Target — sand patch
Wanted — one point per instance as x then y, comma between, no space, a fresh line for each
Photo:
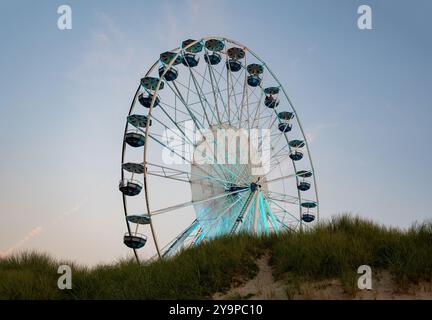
264,286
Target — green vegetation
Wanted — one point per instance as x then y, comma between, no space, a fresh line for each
333,249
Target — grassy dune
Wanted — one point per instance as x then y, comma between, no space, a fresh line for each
334,249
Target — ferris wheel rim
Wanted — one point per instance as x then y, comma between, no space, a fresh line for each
178,51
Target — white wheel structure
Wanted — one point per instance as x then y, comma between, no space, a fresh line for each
210,85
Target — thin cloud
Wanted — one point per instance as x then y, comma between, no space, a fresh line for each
38,229
313,134
33,233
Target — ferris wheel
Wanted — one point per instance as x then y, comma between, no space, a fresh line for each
178,199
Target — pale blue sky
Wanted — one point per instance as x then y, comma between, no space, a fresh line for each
364,98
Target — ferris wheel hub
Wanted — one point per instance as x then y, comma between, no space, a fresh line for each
254,187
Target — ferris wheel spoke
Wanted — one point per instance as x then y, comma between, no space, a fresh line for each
277,159
183,135
275,155
259,114
226,209
204,81
199,237
284,225
228,96
279,143
200,97
272,217
281,197
276,204
218,212
256,212
278,162
231,93
177,93
258,109
190,203
241,173
193,117
226,168
249,104
288,199
186,87
163,174
253,92
264,216
269,122
182,131
237,117
244,92
186,176
242,198
271,139
199,89
246,121
215,85
273,162
179,240
243,212
245,176
214,93
281,178
177,110
282,157
185,159
170,149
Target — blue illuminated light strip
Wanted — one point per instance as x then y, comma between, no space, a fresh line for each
272,217
263,215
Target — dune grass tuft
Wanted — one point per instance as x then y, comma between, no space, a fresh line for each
333,249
